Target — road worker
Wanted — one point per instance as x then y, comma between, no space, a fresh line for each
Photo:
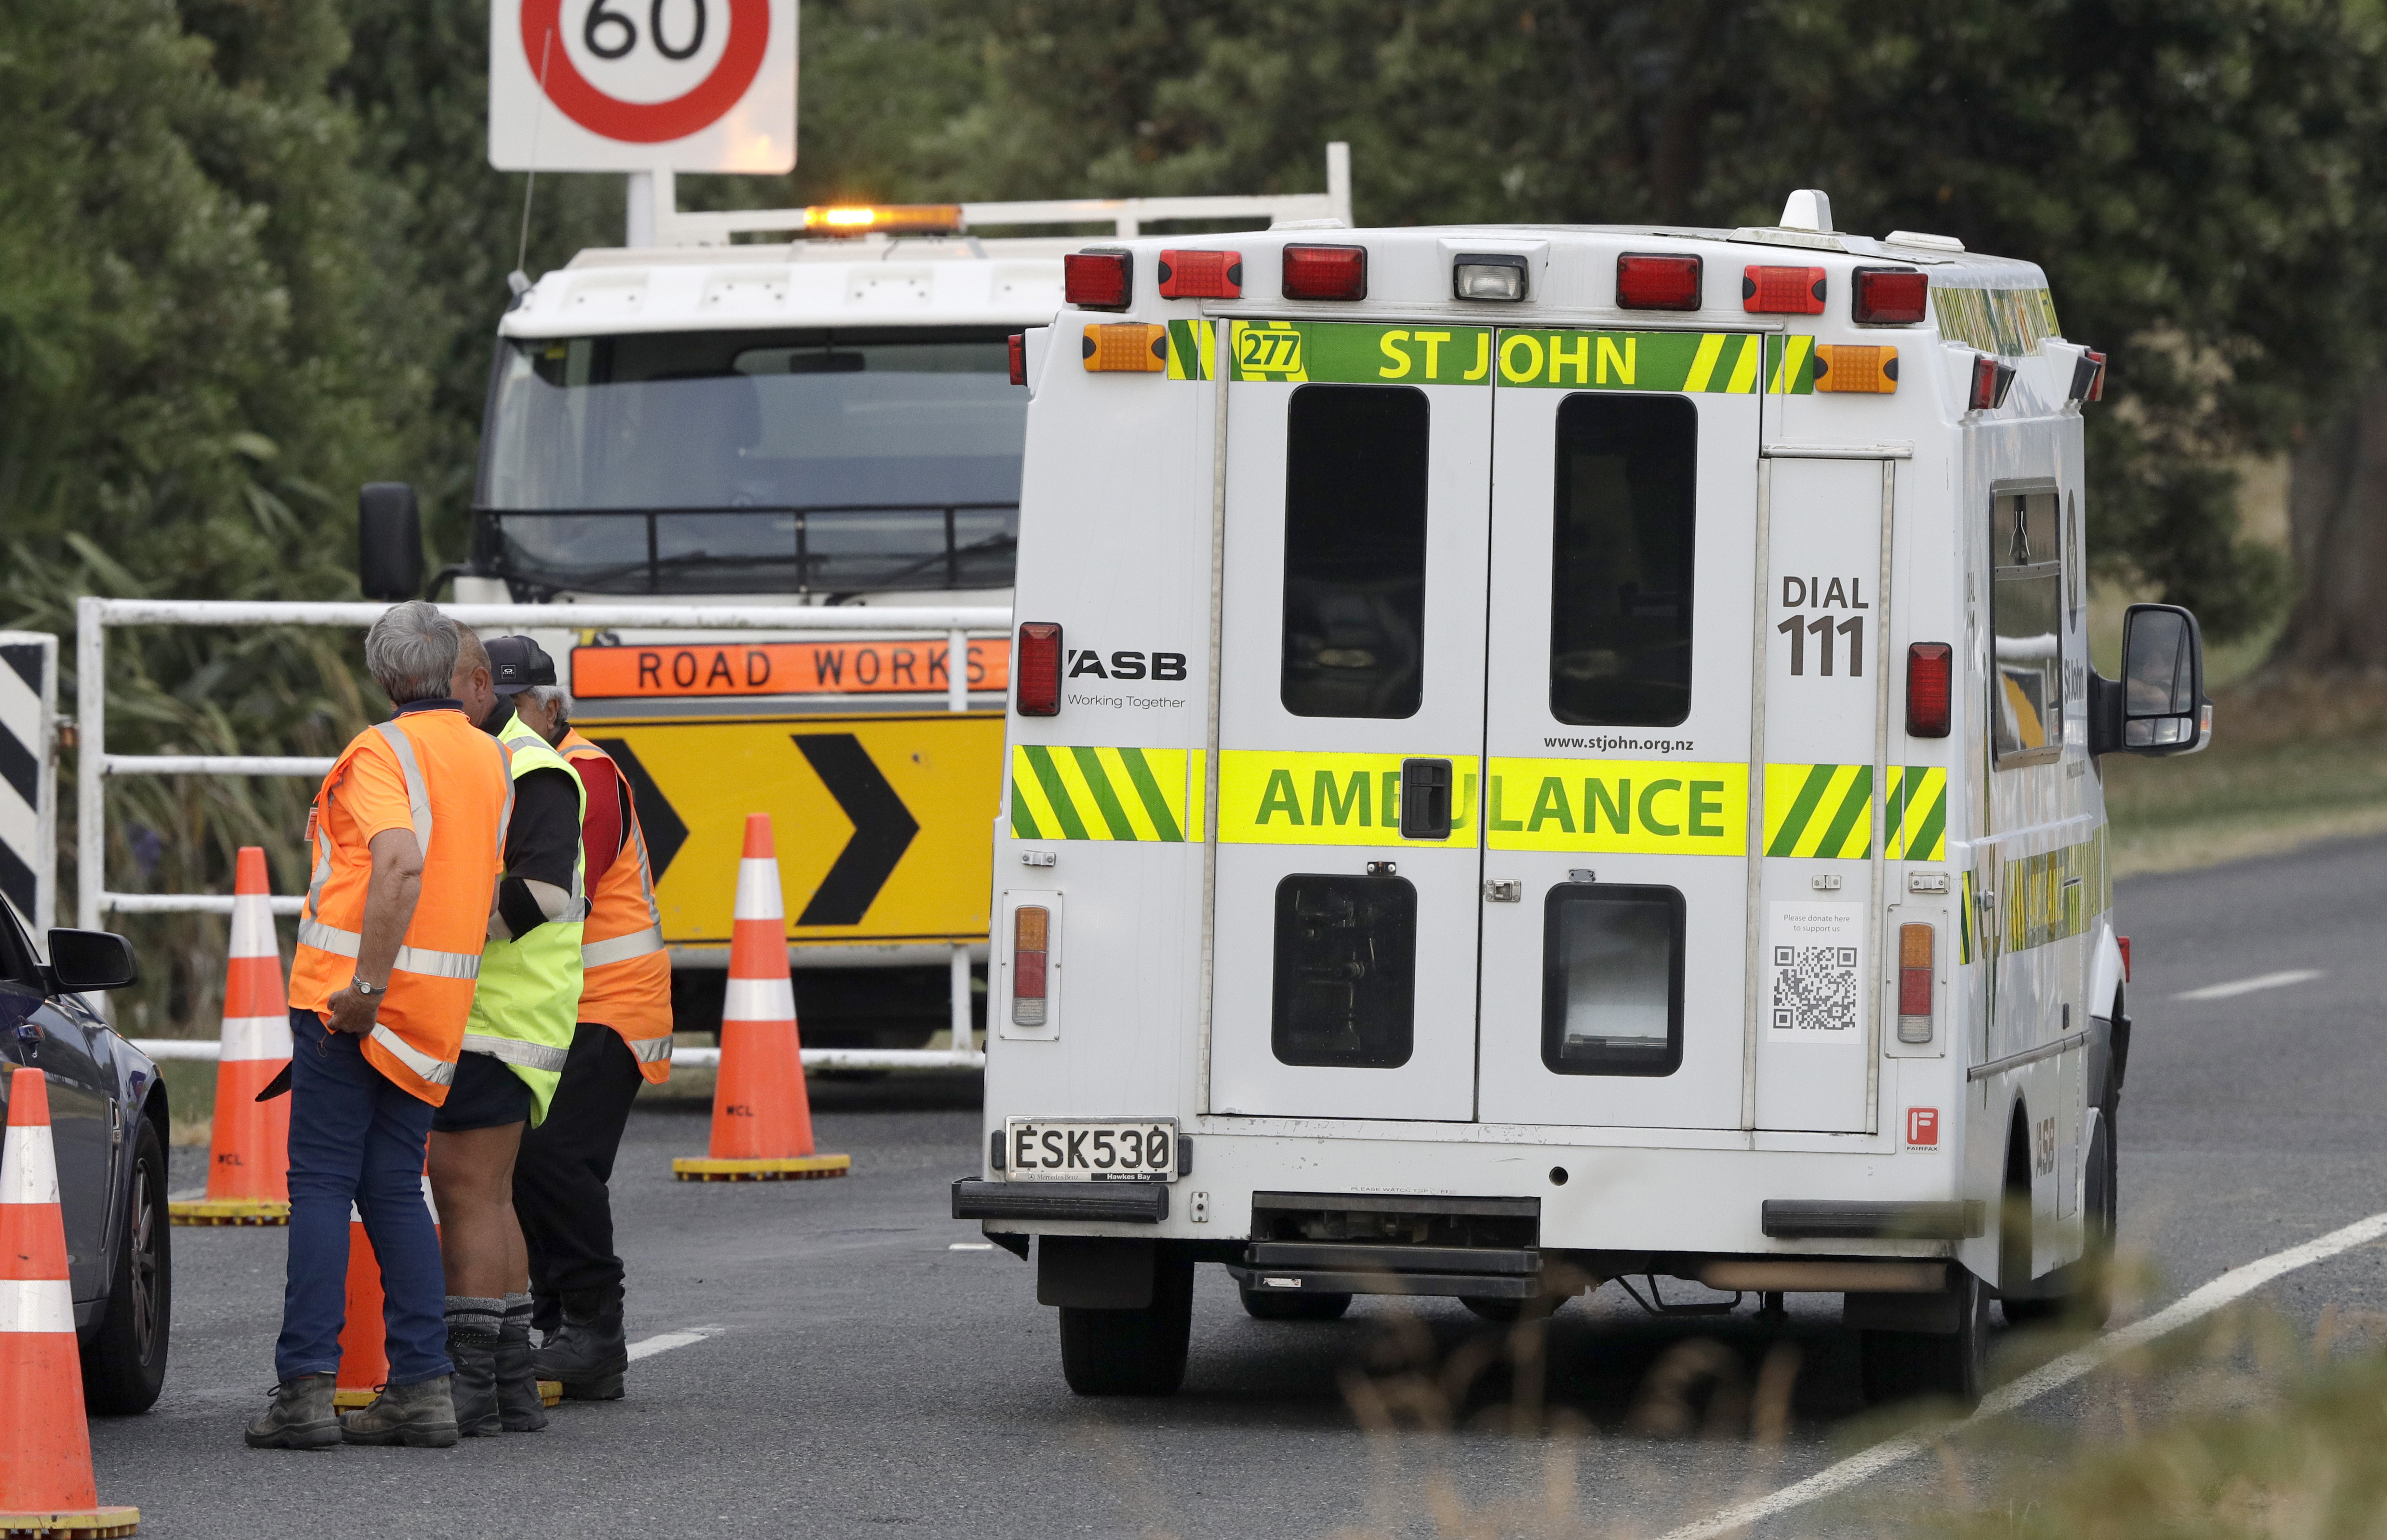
403,845
622,1041
514,1049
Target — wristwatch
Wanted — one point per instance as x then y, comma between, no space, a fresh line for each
366,991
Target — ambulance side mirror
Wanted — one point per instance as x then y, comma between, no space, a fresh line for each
2158,705
389,541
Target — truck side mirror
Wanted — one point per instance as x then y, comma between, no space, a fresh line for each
389,541
2158,706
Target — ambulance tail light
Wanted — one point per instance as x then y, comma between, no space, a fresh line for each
1992,377
1098,280
1326,273
1017,347
1929,670
1040,668
1917,948
1201,275
1890,296
1782,291
1030,942
1649,283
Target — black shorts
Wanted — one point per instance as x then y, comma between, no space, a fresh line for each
484,1094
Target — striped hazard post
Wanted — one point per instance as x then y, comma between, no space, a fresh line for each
249,1160
762,1121
45,1478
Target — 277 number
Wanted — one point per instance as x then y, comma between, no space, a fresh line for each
1799,627
608,34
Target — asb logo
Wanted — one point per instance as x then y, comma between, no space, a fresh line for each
1087,662
1923,1128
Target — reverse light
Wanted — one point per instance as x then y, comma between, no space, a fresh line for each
1916,946
1651,282
1098,280
1126,347
1492,275
1929,666
1017,346
1890,296
1855,367
883,219
1326,273
1038,663
1031,938
1992,378
1782,291
1201,275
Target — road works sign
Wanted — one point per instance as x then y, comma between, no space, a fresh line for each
633,85
881,821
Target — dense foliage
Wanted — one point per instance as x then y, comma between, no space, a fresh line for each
251,251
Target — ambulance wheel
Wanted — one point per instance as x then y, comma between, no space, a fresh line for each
1133,1352
2081,1293
1271,1304
124,1364
1908,1365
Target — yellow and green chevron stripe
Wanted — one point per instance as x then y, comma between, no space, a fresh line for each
1825,812
1080,793
1190,345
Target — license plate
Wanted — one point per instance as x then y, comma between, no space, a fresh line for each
1106,1149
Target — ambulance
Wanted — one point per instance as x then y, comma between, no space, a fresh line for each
1547,755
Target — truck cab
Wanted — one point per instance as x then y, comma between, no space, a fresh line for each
1623,802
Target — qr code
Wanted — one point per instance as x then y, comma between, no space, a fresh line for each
1815,989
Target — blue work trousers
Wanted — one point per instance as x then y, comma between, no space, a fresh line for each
356,1137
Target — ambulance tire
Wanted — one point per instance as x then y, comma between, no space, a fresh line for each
1133,1352
1911,1366
1268,1305
2081,1293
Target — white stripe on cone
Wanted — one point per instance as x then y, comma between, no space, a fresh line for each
36,1304
255,1036
759,1000
758,890
28,1170
252,928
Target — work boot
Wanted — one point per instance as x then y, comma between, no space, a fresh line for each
421,1416
519,1406
587,1354
300,1418
474,1388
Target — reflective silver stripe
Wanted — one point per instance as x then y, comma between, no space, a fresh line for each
530,1056
413,1058
621,948
652,1049
410,959
417,793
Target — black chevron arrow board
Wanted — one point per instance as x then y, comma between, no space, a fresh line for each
883,823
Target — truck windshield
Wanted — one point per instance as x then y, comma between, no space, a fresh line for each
814,461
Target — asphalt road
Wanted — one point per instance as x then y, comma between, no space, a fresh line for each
861,1377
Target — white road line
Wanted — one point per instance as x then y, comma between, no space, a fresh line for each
2228,1289
971,1245
649,1346
2248,986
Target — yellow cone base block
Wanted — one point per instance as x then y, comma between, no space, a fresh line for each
550,1392
792,1168
229,1211
89,1524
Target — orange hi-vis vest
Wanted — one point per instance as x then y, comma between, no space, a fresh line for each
624,972
433,772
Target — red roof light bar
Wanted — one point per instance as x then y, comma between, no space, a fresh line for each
1890,296
1326,273
1782,291
1653,283
1099,280
1201,274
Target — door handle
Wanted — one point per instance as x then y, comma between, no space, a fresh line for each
1425,799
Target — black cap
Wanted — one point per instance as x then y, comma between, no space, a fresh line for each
517,663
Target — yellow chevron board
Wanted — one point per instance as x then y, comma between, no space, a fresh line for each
2053,896
1655,807
1824,812
1105,793
1271,797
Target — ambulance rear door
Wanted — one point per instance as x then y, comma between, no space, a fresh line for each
1618,721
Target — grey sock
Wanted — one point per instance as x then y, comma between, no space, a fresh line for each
474,1317
517,1319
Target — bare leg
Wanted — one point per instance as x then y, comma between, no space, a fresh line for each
472,1181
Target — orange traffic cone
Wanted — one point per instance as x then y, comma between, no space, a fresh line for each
364,1342
761,1123
248,1166
45,1479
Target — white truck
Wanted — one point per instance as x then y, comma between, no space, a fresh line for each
1541,755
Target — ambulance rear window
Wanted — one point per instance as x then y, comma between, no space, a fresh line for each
1612,979
1354,550
1346,978
1620,561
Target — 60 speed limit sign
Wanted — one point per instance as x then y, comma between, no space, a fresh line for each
631,85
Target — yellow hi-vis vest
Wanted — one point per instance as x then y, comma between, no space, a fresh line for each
528,998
